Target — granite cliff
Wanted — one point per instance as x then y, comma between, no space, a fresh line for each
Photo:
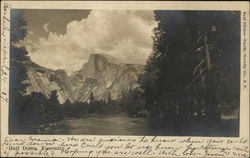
103,76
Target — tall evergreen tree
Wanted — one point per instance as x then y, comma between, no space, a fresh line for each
91,98
192,53
168,68
217,37
17,70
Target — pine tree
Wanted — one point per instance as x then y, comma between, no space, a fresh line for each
109,100
193,51
217,39
18,55
91,98
53,98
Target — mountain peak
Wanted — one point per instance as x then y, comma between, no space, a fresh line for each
100,76
106,57
96,63
93,58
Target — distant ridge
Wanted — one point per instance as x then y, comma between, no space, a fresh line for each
103,76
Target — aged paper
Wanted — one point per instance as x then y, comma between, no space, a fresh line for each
124,79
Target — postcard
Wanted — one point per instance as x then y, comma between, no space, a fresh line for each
124,79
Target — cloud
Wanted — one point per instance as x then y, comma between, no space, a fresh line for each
126,35
45,27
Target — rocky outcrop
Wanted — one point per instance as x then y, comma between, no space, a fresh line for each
103,76
43,80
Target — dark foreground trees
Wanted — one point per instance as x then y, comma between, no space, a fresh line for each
17,70
193,67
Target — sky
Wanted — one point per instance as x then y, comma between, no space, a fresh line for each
64,39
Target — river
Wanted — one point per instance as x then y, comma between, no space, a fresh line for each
109,125
106,125
124,125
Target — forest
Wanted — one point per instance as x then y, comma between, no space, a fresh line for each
191,77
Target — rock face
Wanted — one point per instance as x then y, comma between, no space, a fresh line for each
45,80
102,75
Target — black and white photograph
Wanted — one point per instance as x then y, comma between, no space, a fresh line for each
125,72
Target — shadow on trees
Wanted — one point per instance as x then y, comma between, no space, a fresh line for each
192,75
